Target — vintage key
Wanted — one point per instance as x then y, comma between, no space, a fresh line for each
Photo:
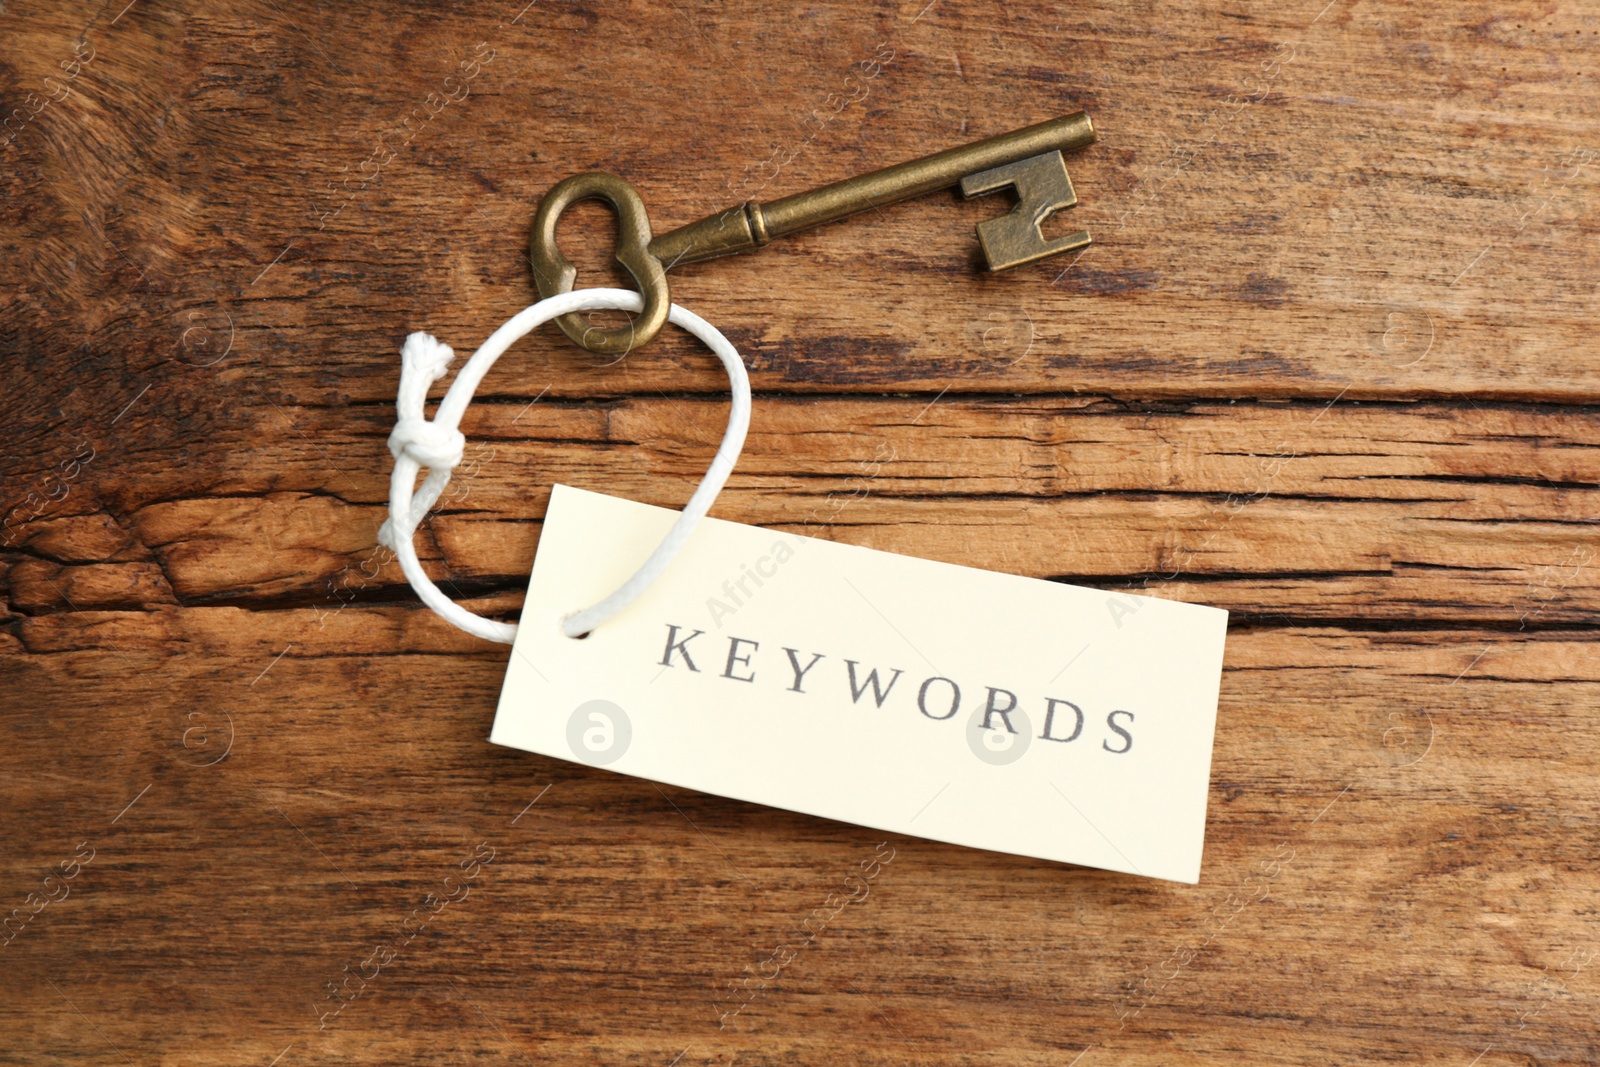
1028,160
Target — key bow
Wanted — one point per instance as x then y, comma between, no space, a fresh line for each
553,273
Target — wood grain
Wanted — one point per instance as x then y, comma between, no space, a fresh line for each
1330,364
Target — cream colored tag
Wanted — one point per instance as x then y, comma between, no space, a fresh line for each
920,698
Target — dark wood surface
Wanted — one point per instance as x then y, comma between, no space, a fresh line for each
1331,364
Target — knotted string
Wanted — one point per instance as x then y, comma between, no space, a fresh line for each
438,444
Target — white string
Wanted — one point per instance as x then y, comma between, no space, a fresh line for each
437,444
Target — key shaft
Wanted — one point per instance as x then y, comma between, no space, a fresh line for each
751,225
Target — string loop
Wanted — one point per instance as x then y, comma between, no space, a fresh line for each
438,444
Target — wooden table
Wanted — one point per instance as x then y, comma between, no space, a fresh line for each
1330,364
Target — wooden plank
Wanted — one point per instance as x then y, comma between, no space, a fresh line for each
1346,511
357,778
1410,241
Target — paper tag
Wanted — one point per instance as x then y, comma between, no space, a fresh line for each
916,697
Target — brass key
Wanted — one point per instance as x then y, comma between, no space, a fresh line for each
1028,160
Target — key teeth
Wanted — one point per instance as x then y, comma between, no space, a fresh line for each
1043,187
998,260
988,181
